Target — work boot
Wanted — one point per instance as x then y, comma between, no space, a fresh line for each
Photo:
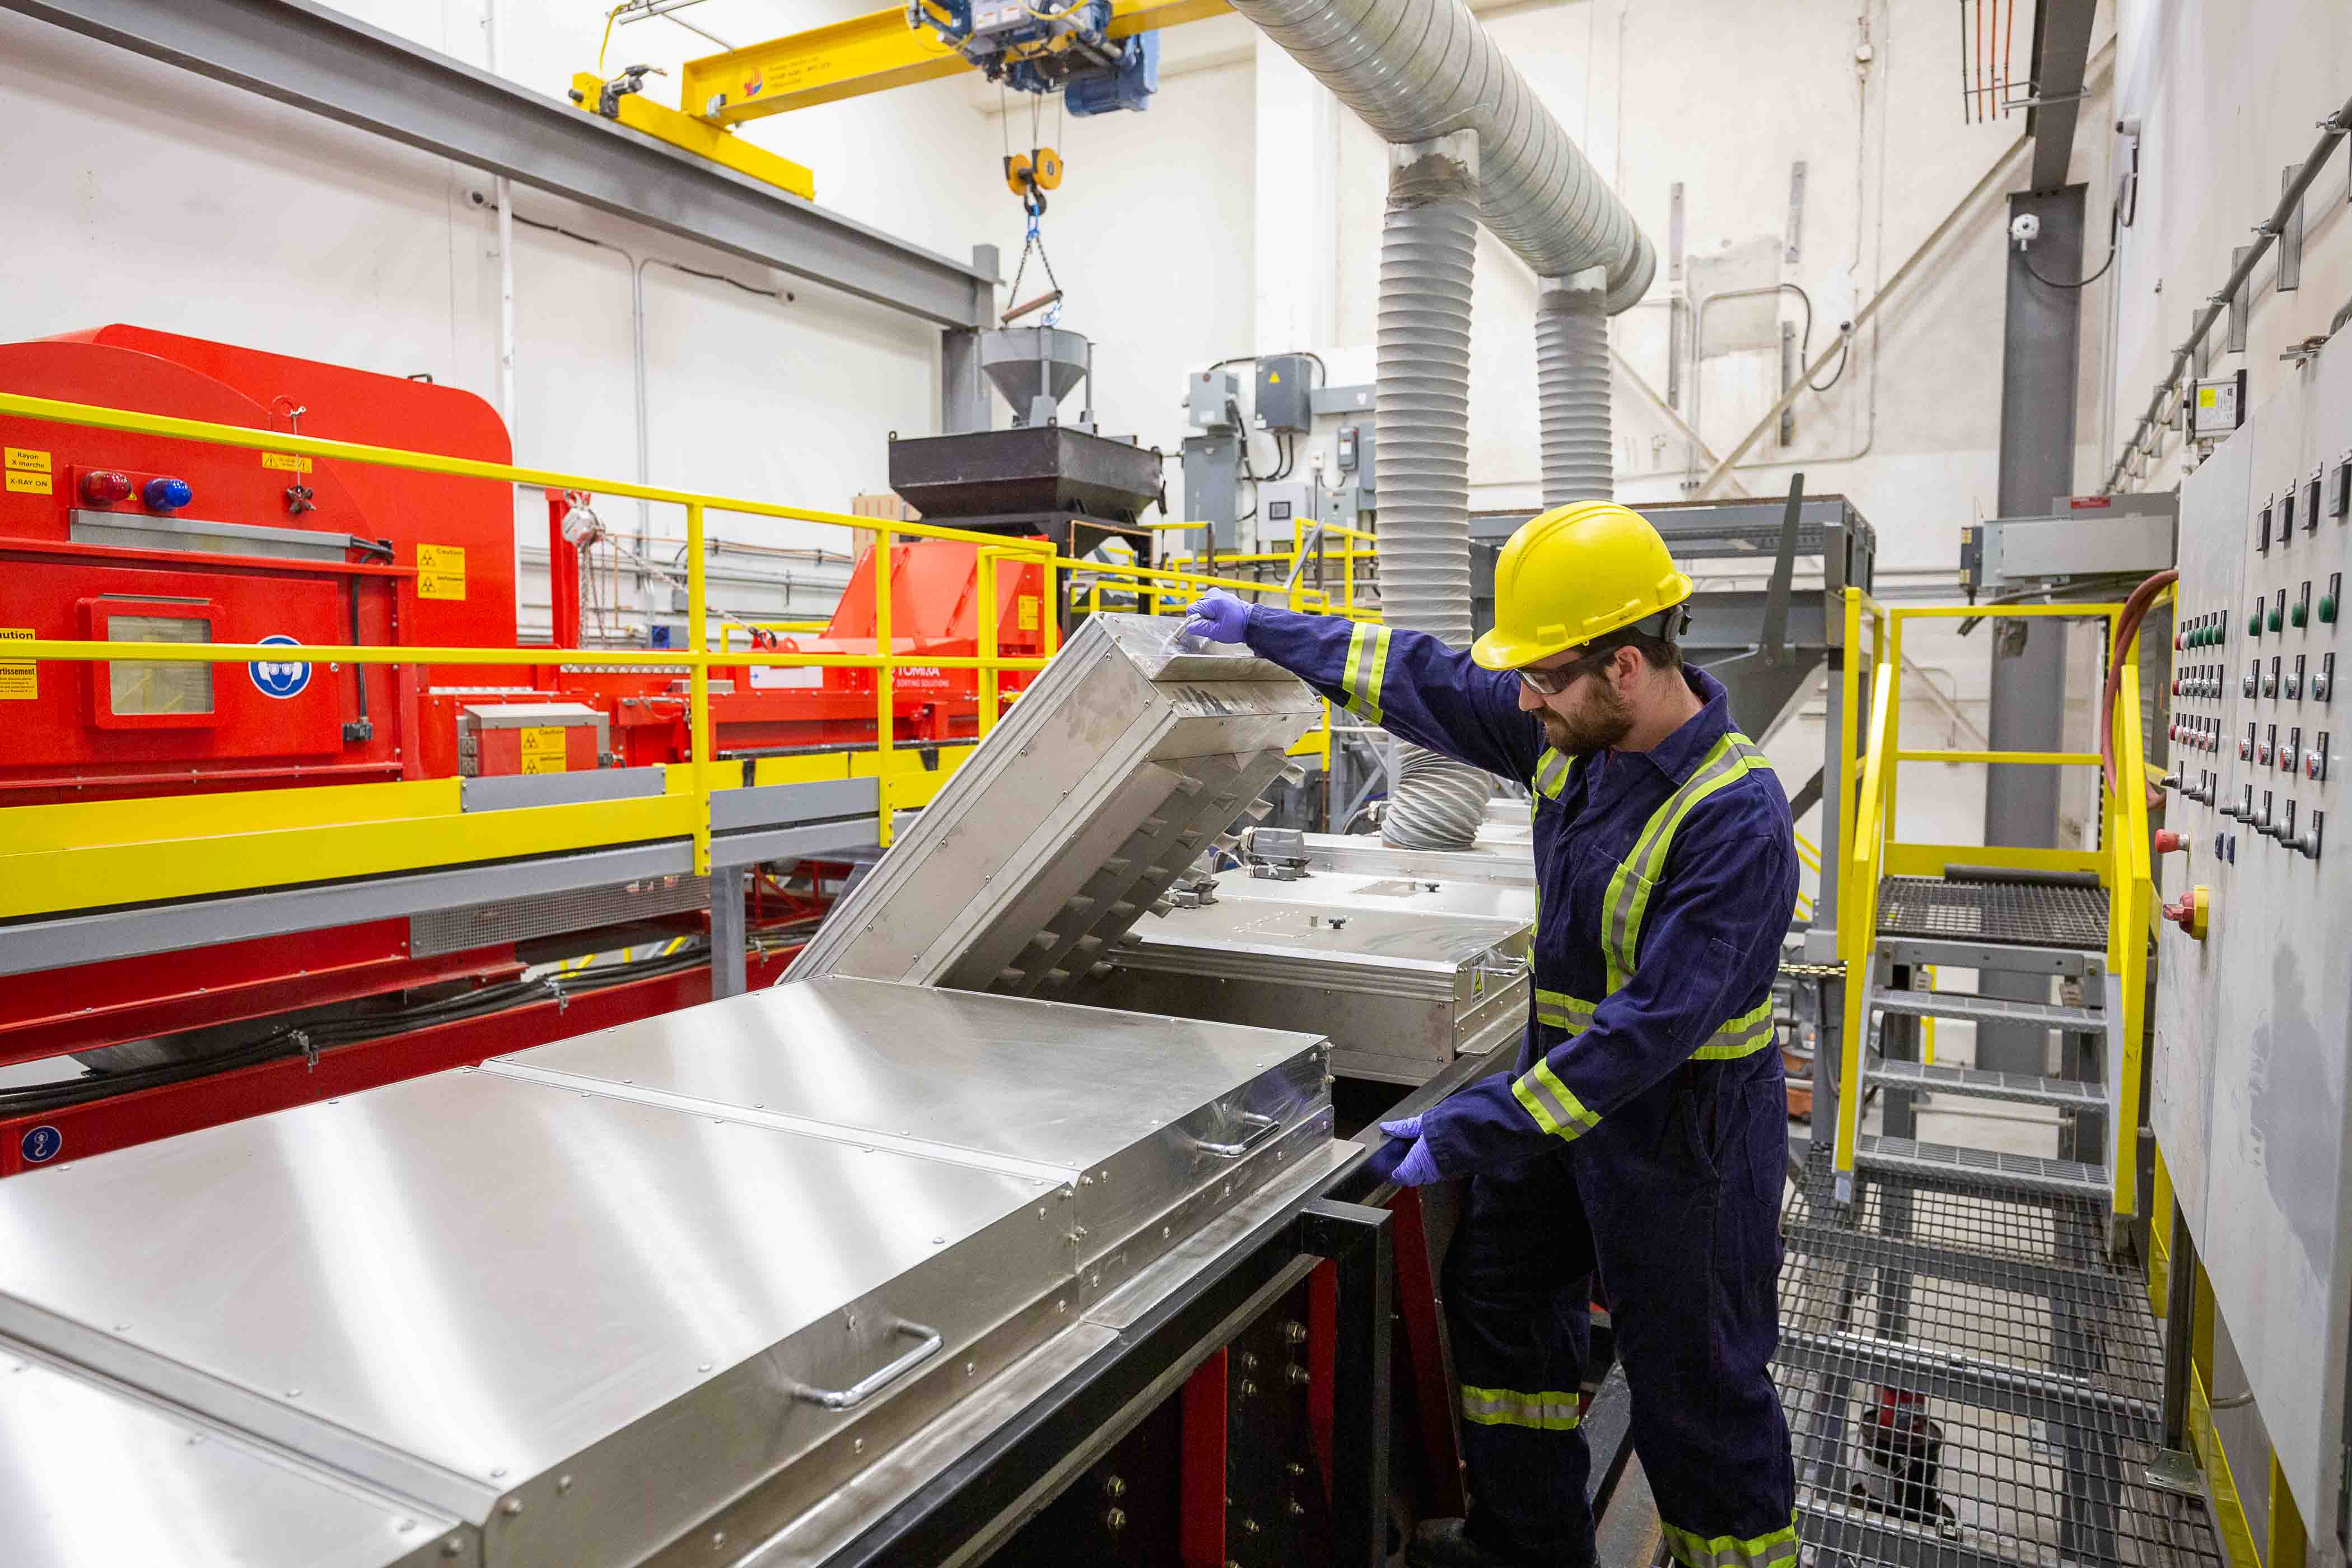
1446,1544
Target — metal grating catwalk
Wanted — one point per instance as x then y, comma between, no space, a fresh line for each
2028,912
1970,1384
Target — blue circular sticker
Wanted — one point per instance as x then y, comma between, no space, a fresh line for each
279,677
40,1145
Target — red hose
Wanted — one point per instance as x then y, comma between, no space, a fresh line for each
2127,627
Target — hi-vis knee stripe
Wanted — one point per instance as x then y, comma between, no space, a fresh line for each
1548,1412
1629,889
1777,1550
1367,663
1556,1110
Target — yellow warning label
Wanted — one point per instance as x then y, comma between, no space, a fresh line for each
291,465
1025,613
2205,396
24,460
440,571
29,484
542,750
18,682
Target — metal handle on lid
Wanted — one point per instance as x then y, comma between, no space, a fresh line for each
1261,1128
874,1382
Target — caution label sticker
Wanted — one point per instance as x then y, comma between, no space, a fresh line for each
1025,613
544,749
28,469
18,682
286,462
440,571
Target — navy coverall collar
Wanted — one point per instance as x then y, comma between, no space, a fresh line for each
1679,755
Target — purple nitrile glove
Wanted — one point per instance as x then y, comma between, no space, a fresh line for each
1405,1159
1217,617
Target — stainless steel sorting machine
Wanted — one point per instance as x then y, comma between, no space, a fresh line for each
870,1266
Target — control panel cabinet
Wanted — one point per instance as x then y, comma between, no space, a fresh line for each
2253,1017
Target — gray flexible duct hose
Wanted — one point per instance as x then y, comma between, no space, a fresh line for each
1428,244
1572,390
1415,70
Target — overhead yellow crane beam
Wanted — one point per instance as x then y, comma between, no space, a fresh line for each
866,54
639,112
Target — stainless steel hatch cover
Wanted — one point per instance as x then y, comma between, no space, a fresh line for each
1102,783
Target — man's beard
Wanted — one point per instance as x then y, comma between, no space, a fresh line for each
1604,720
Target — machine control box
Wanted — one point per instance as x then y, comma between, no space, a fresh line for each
1286,392
2247,1080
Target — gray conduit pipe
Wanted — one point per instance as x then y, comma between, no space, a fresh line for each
1429,242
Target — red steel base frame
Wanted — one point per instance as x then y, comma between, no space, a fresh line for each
74,1132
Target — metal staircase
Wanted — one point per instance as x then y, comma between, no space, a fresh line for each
1970,1368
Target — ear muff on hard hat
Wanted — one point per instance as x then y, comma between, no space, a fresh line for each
1572,574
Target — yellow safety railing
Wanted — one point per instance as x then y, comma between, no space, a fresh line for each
1873,851
68,856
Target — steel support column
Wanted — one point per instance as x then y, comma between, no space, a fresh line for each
2041,345
302,54
726,933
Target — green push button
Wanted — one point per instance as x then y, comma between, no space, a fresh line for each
2255,625
2274,618
2327,609
2298,614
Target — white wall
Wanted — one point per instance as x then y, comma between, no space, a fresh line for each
144,193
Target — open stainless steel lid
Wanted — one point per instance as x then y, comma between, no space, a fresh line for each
1134,749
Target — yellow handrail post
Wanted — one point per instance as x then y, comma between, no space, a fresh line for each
885,685
1858,917
1049,604
1852,674
989,675
698,643
2131,914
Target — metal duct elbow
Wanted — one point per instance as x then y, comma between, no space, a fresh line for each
1415,70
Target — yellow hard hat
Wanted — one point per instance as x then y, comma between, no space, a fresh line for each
1573,574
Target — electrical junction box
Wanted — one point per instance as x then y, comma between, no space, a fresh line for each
2216,408
2086,536
2247,1081
1283,509
1209,398
1286,392
501,739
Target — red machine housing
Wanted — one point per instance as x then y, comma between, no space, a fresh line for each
97,542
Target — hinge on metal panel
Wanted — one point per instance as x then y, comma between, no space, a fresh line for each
309,1052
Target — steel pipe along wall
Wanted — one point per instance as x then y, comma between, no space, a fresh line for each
1429,245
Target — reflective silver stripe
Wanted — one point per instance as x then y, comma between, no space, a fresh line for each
1562,1011
1366,666
1620,927
1743,1036
1547,1412
1693,1551
1552,769
1551,1105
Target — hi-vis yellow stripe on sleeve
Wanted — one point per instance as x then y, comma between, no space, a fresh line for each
1548,1412
1541,1094
1562,1011
1367,665
1743,1036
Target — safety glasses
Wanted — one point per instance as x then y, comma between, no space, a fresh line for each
1553,681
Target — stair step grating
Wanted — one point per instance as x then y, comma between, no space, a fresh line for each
2021,1172
1969,1005
1983,1083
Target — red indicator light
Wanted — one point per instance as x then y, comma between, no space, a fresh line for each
104,487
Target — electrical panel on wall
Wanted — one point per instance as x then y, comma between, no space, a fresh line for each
2253,1014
